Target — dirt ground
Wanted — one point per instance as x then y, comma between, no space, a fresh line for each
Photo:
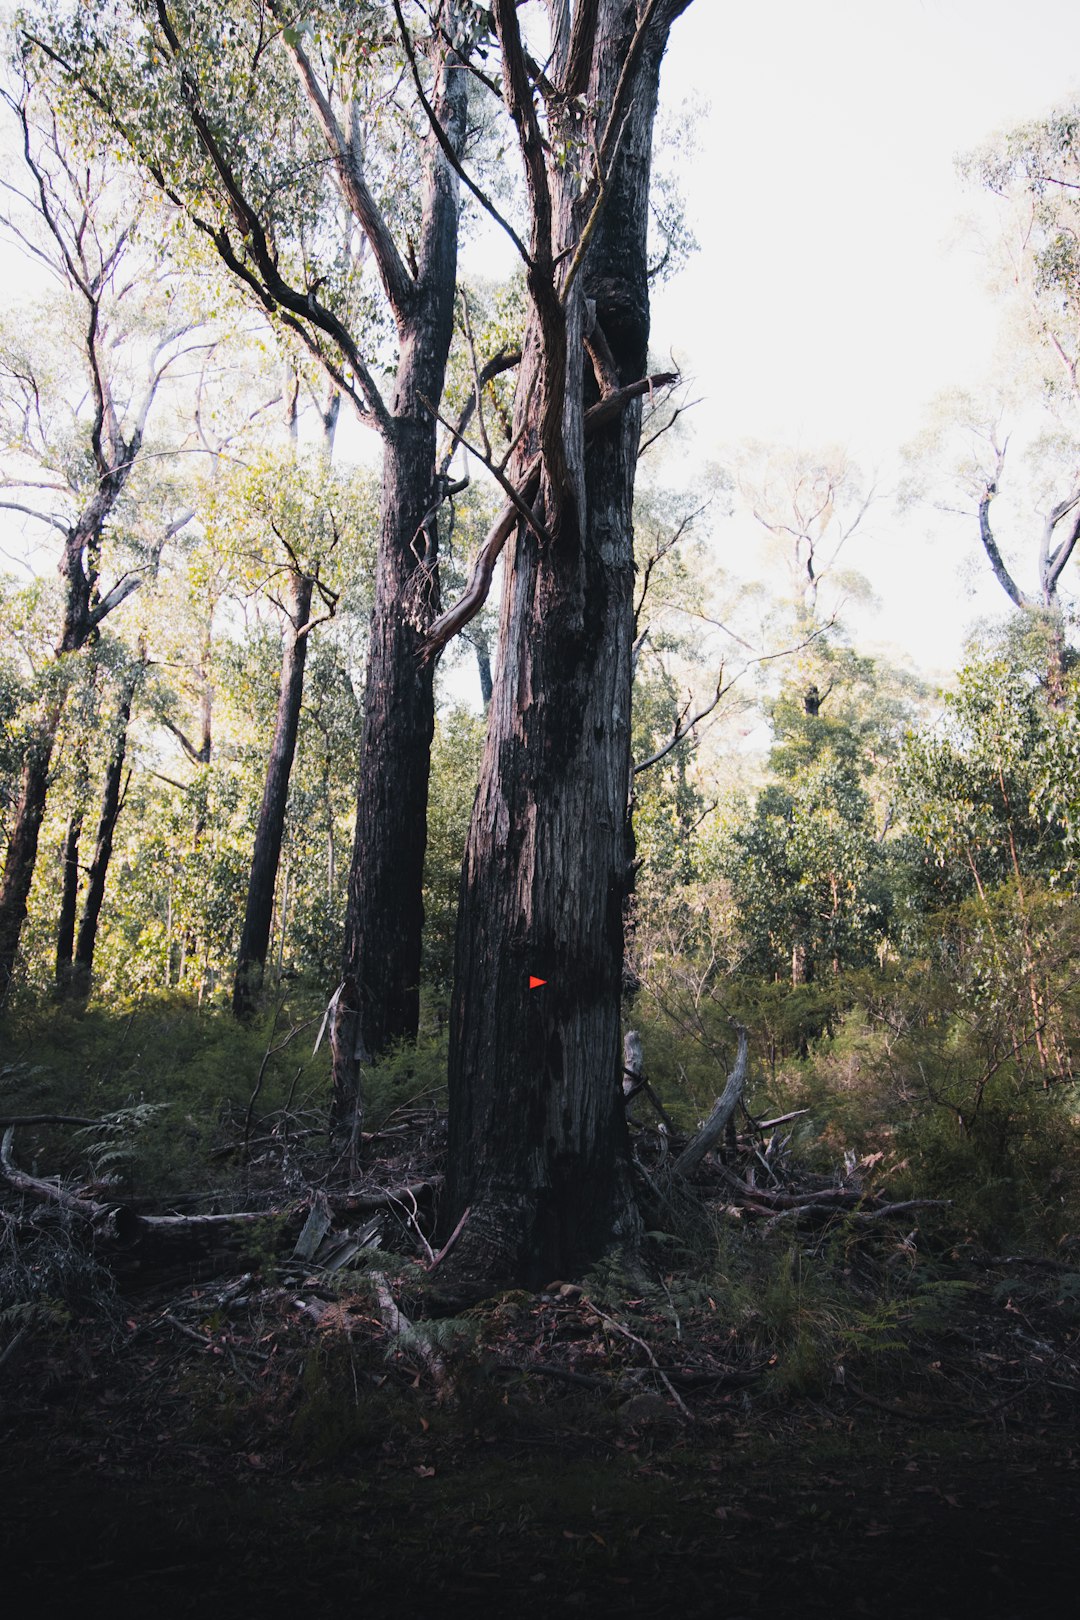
250,1445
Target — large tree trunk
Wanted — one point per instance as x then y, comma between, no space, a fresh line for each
112,799
255,937
538,1145
379,1000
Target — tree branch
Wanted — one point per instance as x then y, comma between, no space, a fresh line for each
1052,561
42,517
475,594
684,727
990,546
397,282
447,145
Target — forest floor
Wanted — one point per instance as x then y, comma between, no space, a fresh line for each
831,1422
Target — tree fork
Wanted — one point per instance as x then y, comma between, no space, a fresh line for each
538,1149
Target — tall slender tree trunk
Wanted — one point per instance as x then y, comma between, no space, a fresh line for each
380,998
112,800
538,1149
255,936
83,613
23,842
483,669
69,901
378,1002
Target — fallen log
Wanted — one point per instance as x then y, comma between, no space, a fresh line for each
137,1242
9,1121
859,1217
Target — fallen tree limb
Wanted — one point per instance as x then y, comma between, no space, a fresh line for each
398,1325
722,1114
566,1375
858,1217
161,1240
782,1119
103,1217
9,1121
620,1327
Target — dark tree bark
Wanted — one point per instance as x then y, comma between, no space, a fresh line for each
379,1000
538,1143
69,901
255,936
21,856
112,800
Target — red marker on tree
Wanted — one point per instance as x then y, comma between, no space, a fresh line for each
534,983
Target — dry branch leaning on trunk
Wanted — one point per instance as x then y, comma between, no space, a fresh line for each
722,1114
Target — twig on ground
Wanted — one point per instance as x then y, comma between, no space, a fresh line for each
626,1333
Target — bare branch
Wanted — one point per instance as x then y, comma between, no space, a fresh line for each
1052,561
990,546
112,599
42,517
684,728
447,145
475,594
396,280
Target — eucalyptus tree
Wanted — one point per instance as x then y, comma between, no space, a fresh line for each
287,516
537,1169
807,867
75,418
298,153
1006,453
810,501
1006,458
75,950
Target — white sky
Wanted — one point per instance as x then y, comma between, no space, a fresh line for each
834,294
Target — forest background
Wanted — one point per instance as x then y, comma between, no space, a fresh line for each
850,861
856,718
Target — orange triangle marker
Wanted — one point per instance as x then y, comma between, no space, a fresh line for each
534,983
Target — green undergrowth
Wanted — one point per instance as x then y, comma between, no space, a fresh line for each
169,1082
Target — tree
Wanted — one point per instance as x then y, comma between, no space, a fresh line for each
537,1137
292,507
267,137
975,789
73,457
811,502
807,867
113,790
1012,447
1007,459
